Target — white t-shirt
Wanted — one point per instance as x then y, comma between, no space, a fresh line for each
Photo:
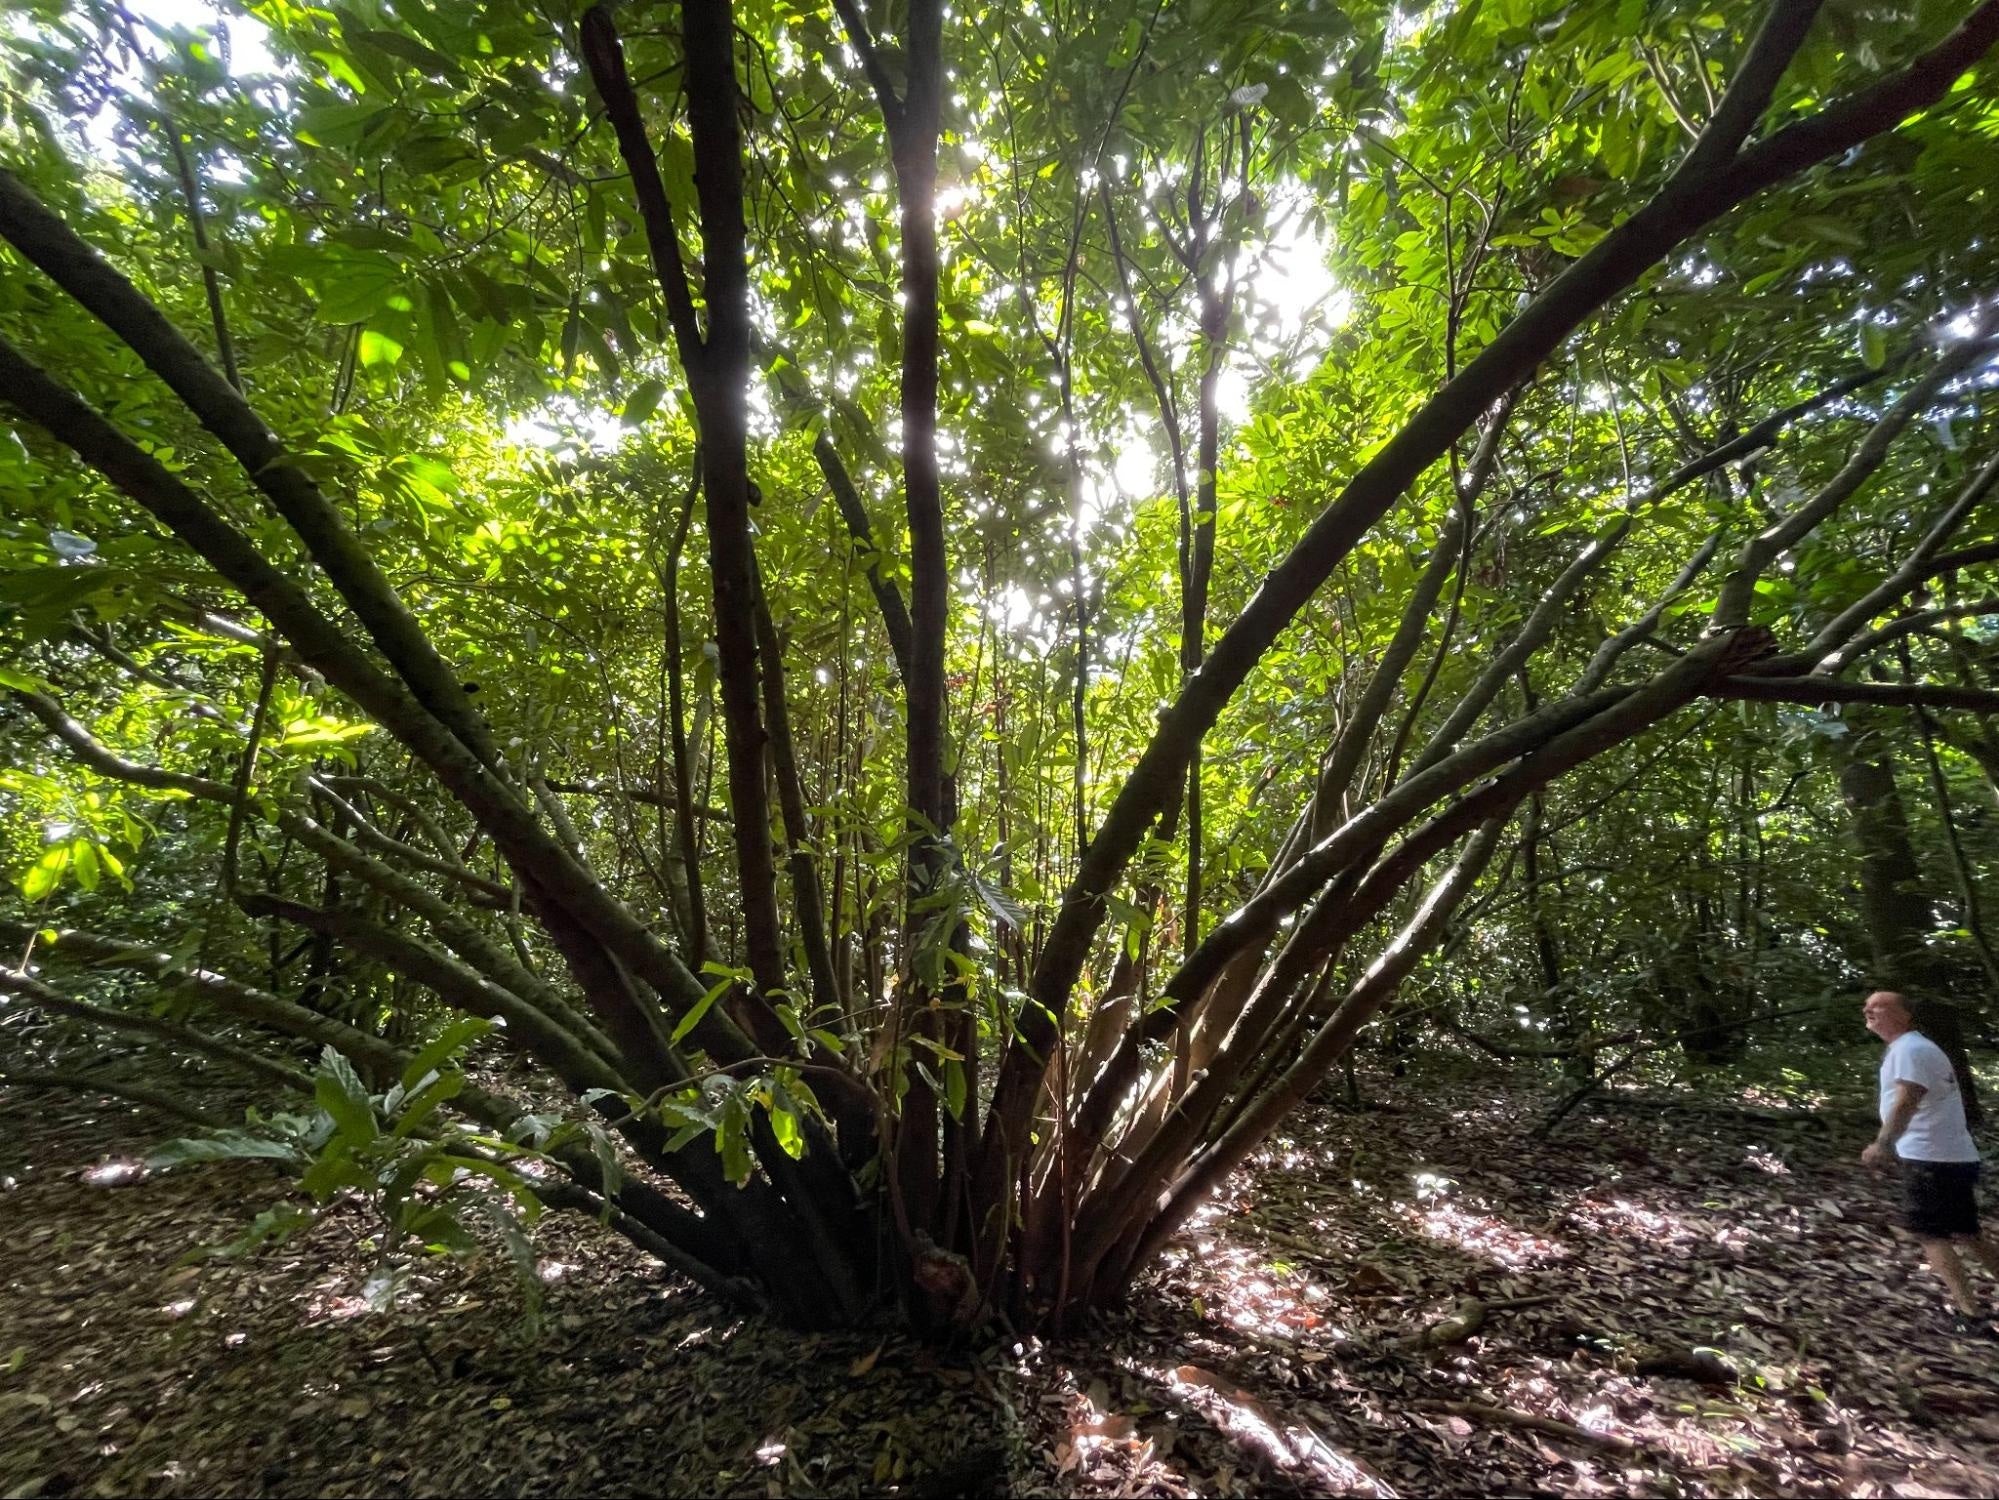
1938,1131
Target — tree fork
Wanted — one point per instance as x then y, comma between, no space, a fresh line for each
1716,175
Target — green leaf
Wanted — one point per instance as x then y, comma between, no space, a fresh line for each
46,873
426,1101
336,125
458,1034
732,1139
410,50
220,1145
340,1092
701,1007
785,1127
599,349
378,349
642,402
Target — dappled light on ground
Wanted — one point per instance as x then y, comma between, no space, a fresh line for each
1486,1236
1765,1161
1622,1216
1393,1305
115,1173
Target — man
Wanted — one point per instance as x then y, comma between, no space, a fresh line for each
1922,1124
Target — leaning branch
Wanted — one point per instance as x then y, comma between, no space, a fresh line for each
863,42
1698,193
1738,592
43,238
26,987
1917,566
138,1093
1547,612
604,56
563,892
1821,690
888,598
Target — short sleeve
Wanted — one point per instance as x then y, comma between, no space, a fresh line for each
1927,1066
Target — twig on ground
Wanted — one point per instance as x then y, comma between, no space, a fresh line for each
1553,1426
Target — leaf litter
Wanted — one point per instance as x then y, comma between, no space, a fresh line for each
1411,1298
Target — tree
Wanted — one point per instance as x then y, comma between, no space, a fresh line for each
1619,421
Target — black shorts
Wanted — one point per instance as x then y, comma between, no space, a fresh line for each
1938,1198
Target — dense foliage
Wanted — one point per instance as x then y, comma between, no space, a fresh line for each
1479,511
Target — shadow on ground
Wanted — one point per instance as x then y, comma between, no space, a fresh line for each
1415,1298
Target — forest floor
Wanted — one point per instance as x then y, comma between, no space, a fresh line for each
1696,1300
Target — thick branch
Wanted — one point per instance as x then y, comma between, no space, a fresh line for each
76,267
604,56
1374,989
1692,198
457,984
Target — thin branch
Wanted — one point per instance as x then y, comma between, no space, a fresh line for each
1823,690
138,1093
45,998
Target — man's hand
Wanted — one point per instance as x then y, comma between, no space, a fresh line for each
1908,1096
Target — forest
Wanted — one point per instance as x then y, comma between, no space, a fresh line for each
1148,748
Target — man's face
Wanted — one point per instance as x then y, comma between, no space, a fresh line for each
1887,1014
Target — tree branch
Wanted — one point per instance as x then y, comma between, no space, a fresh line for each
1738,592
648,796
1917,566
562,891
138,1093
863,43
1693,197
1822,690
604,56
43,238
44,998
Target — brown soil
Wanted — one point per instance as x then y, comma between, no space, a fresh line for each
1699,1304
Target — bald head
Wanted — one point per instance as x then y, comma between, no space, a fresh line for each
1888,1014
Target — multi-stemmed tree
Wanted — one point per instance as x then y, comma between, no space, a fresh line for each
936,896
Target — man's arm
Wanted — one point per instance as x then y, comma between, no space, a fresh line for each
1908,1098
